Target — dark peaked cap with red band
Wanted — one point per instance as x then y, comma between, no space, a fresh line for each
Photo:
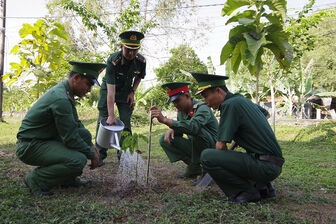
175,89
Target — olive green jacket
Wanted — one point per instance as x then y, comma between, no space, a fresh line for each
54,117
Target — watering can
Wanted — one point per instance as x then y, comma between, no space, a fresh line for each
109,136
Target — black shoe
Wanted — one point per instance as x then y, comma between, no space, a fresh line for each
76,183
192,171
244,197
34,189
100,163
267,191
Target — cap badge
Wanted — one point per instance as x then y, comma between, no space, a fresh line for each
167,89
133,37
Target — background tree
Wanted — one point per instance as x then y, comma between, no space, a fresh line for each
251,37
183,58
42,51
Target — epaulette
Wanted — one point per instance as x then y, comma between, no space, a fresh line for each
140,58
116,60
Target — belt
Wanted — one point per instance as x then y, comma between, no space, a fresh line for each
273,159
23,140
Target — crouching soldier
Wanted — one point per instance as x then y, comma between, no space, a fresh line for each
53,138
195,119
243,177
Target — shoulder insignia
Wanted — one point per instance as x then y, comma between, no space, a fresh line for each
195,106
116,60
141,58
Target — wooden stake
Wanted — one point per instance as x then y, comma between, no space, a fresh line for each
149,143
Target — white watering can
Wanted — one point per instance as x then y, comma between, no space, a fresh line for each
109,136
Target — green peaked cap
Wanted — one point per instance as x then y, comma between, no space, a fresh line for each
175,89
91,70
131,39
206,81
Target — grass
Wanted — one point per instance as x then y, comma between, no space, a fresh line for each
306,188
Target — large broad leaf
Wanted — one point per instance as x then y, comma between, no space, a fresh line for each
258,65
250,14
15,49
273,18
236,57
240,29
326,94
232,5
25,30
309,82
59,33
245,21
254,45
282,50
226,52
278,6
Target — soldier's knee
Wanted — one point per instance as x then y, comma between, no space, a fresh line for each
206,156
77,163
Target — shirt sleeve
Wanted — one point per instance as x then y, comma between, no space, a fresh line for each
67,128
110,72
229,123
143,72
194,125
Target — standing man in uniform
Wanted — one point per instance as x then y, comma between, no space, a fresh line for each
194,119
243,177
124,71
53,138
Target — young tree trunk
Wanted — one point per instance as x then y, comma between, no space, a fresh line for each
257,87
273,104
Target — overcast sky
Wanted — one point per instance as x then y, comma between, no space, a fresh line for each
210,45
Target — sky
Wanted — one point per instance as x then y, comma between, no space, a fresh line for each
210,45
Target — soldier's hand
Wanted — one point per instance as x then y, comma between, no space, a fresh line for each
111,120
130,99
156,113
94,161
169,134
221,145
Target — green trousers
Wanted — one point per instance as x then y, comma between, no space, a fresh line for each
125,113
181,148
235,172
56,164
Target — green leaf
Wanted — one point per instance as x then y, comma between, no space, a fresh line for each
236,57
15,49
273,18
240,29
280,48
250,14
245,21
59,33
254,45
25,30
278,6
226,52
232,5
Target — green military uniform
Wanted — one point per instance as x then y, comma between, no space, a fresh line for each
245,123
52,137
199,124
121,73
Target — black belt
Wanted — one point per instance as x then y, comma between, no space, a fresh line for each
23,140
276,160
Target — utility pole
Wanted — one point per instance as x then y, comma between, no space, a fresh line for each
2,52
